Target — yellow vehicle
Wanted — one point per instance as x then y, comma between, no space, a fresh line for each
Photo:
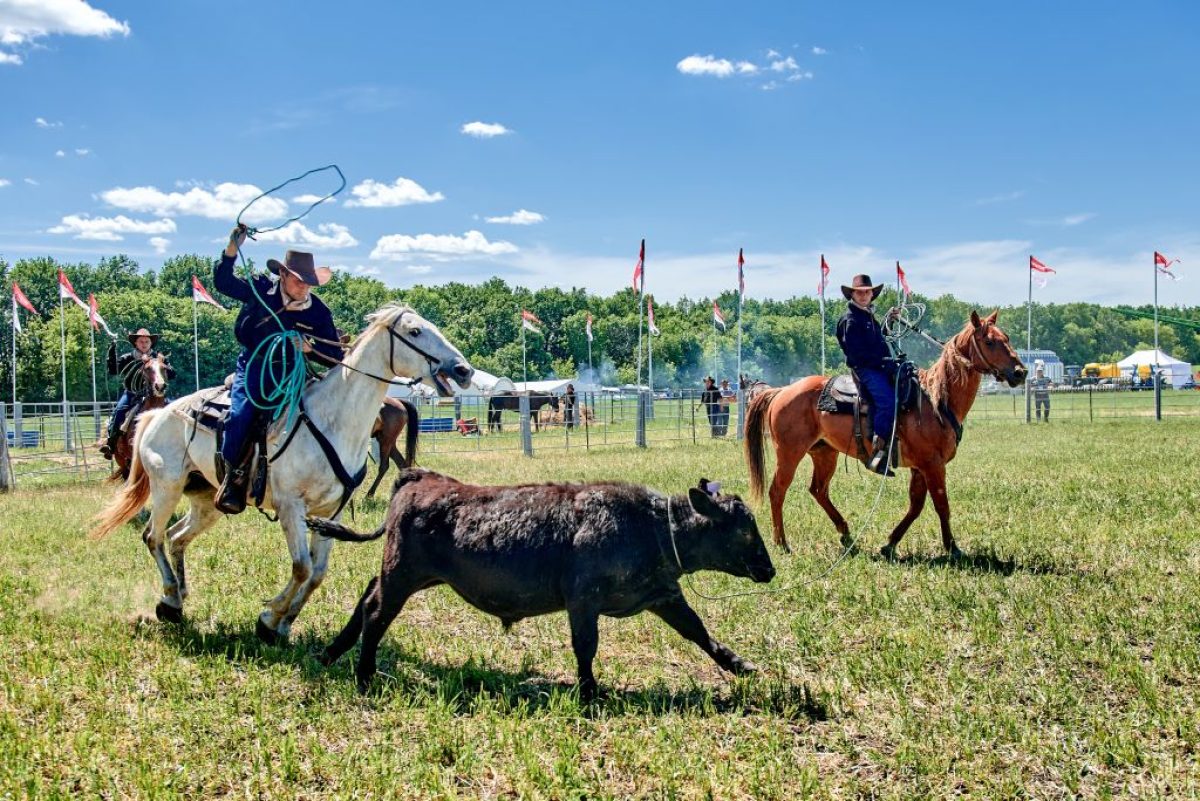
1093,372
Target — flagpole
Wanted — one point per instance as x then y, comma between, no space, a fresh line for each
650,362
739,359
589,339
1029,342
93,337
62,347
14,349
641,295
196,338
524,368
821,294
1156,319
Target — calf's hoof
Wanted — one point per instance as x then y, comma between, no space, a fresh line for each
954,554
267,635
325,658
362,684
743,667
168,614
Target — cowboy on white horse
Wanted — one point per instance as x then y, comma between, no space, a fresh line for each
271,302
128,366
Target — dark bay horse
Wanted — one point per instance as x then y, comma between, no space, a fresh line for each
152,383
926,434
511,402
395,415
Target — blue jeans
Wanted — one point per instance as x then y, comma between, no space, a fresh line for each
124,403
881,389
244,417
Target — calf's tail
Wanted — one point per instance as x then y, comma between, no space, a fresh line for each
336,531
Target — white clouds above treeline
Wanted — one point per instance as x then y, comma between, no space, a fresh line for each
221,202
519,217
110,229
439,247
784,67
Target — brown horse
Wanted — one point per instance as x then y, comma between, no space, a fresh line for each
395,415
926,434
152,381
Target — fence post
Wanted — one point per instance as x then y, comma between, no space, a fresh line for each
6,476
1091,414
640,431
741,404
18,425
68,441
526,434
1158,396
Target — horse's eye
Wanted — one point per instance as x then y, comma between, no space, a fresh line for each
416,332
993,343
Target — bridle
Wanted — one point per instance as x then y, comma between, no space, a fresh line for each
394,337
992,370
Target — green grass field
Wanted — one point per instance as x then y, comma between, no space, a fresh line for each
1060,659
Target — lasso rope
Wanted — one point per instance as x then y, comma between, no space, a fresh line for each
283,371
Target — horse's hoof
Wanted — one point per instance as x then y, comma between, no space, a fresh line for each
888,552
267,635
168,614
955,554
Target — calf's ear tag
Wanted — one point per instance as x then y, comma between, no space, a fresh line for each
713,488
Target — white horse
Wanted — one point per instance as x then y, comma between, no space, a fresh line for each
169,451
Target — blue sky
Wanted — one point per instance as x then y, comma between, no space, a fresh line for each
956,137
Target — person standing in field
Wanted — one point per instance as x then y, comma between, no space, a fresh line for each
711,399
1041,393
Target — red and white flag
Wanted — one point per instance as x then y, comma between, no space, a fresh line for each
529,320
65,290
639,270
200,294
1039,271
1163,265
652,328
824,282
903,281
741,277
94,316
19,299
718,318
588,328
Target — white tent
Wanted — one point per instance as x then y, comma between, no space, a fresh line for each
1177,373
482,383
555,386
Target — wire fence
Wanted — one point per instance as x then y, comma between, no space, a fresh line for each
47,443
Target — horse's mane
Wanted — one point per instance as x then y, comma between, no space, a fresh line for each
950,369
387,312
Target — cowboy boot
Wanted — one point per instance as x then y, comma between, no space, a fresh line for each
109,449
879,461
231,496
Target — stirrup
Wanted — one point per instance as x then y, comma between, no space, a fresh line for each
879,463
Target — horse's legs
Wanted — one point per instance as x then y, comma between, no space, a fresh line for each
824,460
385,450
291,517
200,517
935,478
163,501
319,549
917,490
786,462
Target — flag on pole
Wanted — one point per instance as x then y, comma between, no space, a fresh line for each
1039,271
16,317
650,315
19,298
588,328
903,281
94,316
718,318
741,277
639,270
65,290
529,320
200,294
1164,266
824,282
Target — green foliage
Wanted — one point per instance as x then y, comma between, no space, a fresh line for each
781,339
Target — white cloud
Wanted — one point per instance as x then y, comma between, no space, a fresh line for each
819,51
784,65
160,245
484,130
439,247
308,200
222,202
60,153
4,182
746,68
521,217
403,192
23,22
706,65
82,151
1076,219
109,229
365,270
770,86
800,76
42,122
773,54
327,235
31,182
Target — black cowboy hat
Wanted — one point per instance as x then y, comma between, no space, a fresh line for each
142,332
861,281
301,265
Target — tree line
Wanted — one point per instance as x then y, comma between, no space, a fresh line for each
781,339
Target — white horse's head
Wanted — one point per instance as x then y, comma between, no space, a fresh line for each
417,348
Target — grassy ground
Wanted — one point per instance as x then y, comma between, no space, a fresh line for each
1059,659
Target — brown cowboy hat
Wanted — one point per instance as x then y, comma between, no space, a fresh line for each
142,332
861,281
301,265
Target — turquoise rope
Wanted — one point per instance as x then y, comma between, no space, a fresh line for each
283,368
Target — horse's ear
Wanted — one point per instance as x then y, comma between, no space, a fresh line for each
975,321
991,318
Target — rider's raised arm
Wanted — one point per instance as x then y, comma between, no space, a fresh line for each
225,279
111,361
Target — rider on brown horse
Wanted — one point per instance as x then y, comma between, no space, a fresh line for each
868,355
133,387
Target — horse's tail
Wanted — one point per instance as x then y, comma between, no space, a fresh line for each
411,430
328,528
132,496
755,418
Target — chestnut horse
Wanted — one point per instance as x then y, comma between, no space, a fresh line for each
152,382
395,415
926,434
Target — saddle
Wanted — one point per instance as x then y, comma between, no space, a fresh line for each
843,395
